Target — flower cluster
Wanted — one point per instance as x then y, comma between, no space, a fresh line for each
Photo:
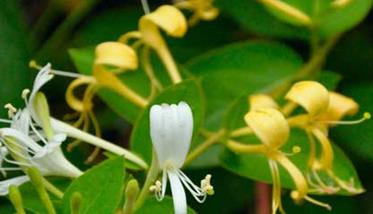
272,123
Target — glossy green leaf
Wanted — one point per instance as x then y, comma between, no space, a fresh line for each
256,19
330,20
31,200
255,166
14,55
235,70
241,68
358,139
151,205
101,188
188,91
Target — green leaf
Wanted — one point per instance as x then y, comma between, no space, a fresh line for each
101,188
358,139
188,91
241,69
30,197
329,79
330,21
137,80
151,205
255,166
235,70
14,55
254,18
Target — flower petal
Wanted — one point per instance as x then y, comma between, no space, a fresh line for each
258,101
269,125
171,129
311,95
178,193
116,54
339,106
17,181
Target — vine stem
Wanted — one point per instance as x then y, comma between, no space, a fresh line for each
310,68
150,178
212,139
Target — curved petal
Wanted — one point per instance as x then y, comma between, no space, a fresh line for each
339,106
17,181
116,54
171,129
178,193
269,125
311,95
258,101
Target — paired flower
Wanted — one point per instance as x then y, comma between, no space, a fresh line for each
171,130
324,109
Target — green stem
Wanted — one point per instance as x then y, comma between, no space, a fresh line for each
150,178
52,189
68,25
37,181
211,140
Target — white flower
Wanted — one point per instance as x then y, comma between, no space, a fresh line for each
171,130
29,148
26,142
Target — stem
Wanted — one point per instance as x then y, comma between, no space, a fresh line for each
245,148
167,59
262,198
52,189
73,132
241,132
68,25
204,146
309,69
150,178
317,59
37,181
149,69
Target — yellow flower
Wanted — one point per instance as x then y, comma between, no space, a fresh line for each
201,9
324,109
271,127
169,19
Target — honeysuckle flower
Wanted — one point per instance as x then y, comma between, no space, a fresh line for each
29,148
38,109
272,129
169,19
171,130
324,109
201,9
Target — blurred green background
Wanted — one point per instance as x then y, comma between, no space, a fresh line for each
37,29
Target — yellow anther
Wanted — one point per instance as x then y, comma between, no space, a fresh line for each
206,185
11,110
25,93
296,149
157,187
367,115
34,64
